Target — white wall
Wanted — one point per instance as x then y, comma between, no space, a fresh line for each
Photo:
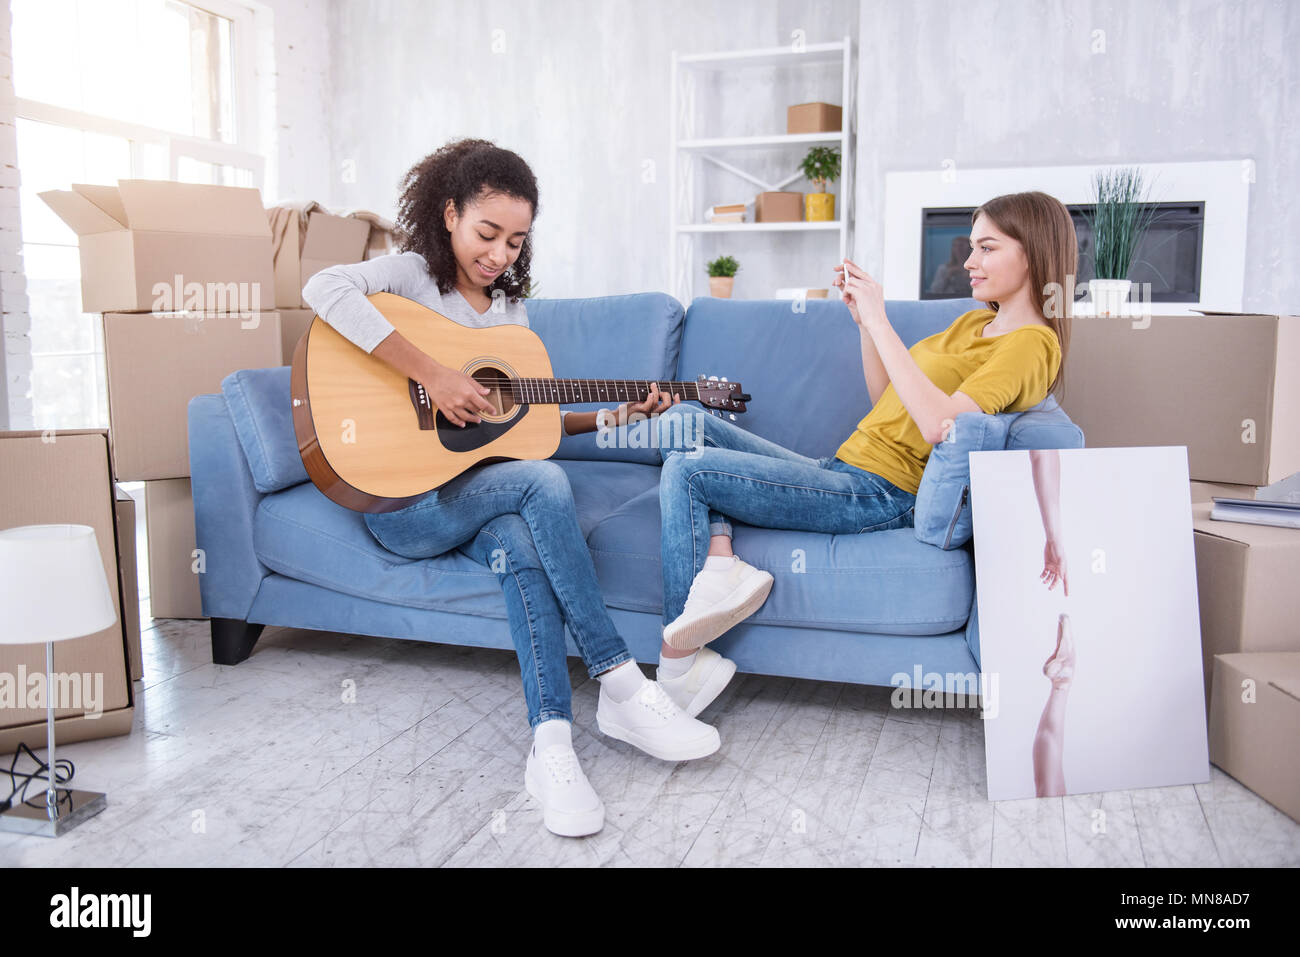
580,89
1025,82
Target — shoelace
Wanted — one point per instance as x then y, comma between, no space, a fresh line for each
561,765
653,696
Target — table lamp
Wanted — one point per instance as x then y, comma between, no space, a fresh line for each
52,588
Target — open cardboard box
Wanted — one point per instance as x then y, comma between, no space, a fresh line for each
1224,386
62,477
157,363
330,241
146,243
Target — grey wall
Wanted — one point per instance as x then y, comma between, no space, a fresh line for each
581,91
1016,82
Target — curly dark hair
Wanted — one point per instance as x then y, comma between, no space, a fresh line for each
463,171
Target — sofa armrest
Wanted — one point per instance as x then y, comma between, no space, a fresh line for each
225,502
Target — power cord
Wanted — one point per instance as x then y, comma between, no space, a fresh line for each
63,772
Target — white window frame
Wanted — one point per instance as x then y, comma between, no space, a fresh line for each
250,25
245,152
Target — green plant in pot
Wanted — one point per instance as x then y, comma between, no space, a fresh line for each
1119,221
722,274
820,166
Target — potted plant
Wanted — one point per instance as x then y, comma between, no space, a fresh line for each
1119,221
722,273
820,166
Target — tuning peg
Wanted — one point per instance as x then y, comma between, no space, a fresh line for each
731,416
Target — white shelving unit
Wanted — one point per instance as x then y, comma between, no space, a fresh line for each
687,150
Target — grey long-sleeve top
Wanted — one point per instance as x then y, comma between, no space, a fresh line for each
338,295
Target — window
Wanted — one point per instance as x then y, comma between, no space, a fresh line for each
108,90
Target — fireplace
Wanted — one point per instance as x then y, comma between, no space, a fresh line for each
1192,257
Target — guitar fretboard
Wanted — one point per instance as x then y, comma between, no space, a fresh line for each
560,391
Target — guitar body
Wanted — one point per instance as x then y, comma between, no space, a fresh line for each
370,438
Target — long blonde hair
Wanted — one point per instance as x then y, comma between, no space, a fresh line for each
1042,225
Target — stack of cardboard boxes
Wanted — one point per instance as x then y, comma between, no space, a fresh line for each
189,290
1228,388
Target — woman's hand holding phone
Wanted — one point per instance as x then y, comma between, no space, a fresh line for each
863,295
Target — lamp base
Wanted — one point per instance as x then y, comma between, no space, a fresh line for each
75,806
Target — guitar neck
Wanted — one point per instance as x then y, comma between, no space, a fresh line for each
565,391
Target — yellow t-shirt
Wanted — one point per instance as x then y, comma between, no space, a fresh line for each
1007,373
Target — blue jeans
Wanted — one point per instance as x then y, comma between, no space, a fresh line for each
714,470
519,519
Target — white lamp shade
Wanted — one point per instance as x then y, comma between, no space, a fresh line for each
52,584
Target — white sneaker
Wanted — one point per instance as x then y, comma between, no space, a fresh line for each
652,721
695,690
570,807
719,598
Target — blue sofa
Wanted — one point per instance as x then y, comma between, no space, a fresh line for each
860,608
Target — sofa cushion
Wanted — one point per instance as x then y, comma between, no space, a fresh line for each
262,412
944,502
884,581
803,368
610,337
942,516
300,533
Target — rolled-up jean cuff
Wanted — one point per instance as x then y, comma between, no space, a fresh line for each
720,528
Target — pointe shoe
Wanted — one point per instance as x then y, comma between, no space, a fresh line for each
719,598
1060,666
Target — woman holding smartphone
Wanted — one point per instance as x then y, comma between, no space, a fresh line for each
1006,357
466,215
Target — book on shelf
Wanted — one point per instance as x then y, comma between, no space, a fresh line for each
725,213
1256,512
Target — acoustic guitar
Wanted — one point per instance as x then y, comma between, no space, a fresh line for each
373,441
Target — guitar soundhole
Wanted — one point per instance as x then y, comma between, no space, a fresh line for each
499,397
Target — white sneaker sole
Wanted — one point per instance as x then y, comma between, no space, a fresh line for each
701,747
565,823
731,611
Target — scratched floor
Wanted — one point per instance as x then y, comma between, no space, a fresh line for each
266,764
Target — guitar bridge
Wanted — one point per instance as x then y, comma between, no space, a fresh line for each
424,411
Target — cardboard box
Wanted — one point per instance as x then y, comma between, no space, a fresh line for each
174,568
138,237
330,241
157,363
1224,386
813,118
1255,724
1246,579
778,207
1206,491
127,571
53,478
293,323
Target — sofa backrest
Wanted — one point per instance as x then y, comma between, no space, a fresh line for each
609,337
803,368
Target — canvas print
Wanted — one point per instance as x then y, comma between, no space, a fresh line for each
1086,584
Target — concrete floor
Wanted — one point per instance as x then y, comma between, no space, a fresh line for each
266,764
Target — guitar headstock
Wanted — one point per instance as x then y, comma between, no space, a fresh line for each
720,396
